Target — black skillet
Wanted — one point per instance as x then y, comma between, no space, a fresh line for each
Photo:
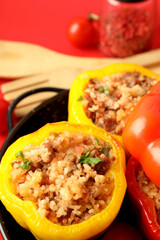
52,110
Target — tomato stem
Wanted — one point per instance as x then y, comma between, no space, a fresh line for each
93,16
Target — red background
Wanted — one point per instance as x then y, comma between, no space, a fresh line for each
44,22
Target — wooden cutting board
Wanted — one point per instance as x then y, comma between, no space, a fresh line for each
19,60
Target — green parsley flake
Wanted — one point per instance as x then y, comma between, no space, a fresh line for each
97,141
104,90
89,160
25,163
80,98
100,89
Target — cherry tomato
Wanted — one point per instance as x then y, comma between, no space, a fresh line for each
122,231
81,32
3,115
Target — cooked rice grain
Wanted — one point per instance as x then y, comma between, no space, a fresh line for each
109,102
150,189
64,190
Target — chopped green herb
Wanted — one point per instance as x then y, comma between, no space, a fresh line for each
141,178
96,141
20,154
100,89
84,156
89,160
106,150
25,163
80,98
106,90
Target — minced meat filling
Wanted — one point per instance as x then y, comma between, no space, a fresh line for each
109,101
65,176
149,188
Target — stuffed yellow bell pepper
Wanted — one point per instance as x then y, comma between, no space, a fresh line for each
64,181
105,97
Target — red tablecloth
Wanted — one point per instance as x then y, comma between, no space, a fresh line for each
44,22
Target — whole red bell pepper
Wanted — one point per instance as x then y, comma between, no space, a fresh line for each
141,135
144,206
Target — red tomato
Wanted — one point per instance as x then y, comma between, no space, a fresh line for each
3,115
81,32
122,231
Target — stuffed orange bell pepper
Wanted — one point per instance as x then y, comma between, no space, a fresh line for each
64,181
143,131
141,137
105,97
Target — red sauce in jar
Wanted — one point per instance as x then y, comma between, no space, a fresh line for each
126,27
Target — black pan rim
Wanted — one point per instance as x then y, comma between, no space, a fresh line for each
6,144
26,117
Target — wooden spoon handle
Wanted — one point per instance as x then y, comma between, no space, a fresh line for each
19,59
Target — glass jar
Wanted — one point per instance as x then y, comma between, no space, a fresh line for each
126,27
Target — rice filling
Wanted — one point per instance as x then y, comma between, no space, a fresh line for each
150,189
65,176
109,101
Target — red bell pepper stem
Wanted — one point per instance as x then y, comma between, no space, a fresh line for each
144,206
